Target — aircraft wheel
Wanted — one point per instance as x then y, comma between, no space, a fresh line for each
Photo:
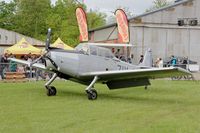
92,94
51,91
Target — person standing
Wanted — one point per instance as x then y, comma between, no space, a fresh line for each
185,62
160,63
12,65
1,70
173,61
141,59
4,65
117,53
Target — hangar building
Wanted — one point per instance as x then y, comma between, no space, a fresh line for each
9,38
172,30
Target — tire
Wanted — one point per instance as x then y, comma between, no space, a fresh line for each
51,91
92,94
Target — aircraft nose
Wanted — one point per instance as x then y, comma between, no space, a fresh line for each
51,61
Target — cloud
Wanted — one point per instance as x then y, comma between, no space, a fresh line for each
135,6
109,6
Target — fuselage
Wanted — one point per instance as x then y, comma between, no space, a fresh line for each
75,63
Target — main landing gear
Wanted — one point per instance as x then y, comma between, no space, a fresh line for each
51,90
91,92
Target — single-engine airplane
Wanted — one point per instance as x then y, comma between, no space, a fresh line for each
89,63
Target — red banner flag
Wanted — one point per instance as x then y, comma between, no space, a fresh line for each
82,23
123,27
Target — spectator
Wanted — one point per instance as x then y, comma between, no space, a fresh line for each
129,60
4,65
157,62
141,59
40,73
132,58
117,54
160,63
173,61
29,58
122,58
185,62
113,50
26,57
12,65
1,70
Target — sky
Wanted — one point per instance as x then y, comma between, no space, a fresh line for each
109,6
136,7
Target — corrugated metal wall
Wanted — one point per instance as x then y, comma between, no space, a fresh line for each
166,41
105,34
160,32
10,38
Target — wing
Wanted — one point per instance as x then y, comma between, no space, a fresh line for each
138,73
36,65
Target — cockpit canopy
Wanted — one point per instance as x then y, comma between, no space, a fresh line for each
94,50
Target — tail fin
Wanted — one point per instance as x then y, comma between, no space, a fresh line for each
148,60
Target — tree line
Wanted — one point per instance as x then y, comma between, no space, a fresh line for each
33,18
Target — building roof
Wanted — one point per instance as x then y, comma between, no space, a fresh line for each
13,37
145,14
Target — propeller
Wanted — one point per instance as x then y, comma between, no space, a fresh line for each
48,39
47,50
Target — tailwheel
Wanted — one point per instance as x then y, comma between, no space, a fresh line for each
51,91
92,94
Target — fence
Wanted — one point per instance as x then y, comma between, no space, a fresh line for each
13,71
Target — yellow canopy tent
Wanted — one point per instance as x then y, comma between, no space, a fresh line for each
22,48
60,44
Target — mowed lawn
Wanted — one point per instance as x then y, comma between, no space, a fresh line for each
166,107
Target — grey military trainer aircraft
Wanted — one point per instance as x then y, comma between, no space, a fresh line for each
90,63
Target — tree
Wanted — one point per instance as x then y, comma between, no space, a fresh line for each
34,17
95,19
112,18
158,4
30,17
62,20
7,12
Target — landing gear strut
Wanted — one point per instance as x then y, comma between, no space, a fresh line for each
91,92
51,90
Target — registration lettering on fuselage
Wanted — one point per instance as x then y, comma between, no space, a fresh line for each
120,67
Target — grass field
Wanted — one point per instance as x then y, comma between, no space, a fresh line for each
166,107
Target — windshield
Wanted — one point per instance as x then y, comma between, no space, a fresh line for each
82,48
94,50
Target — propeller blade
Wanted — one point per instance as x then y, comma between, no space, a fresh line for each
47,50
48,40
